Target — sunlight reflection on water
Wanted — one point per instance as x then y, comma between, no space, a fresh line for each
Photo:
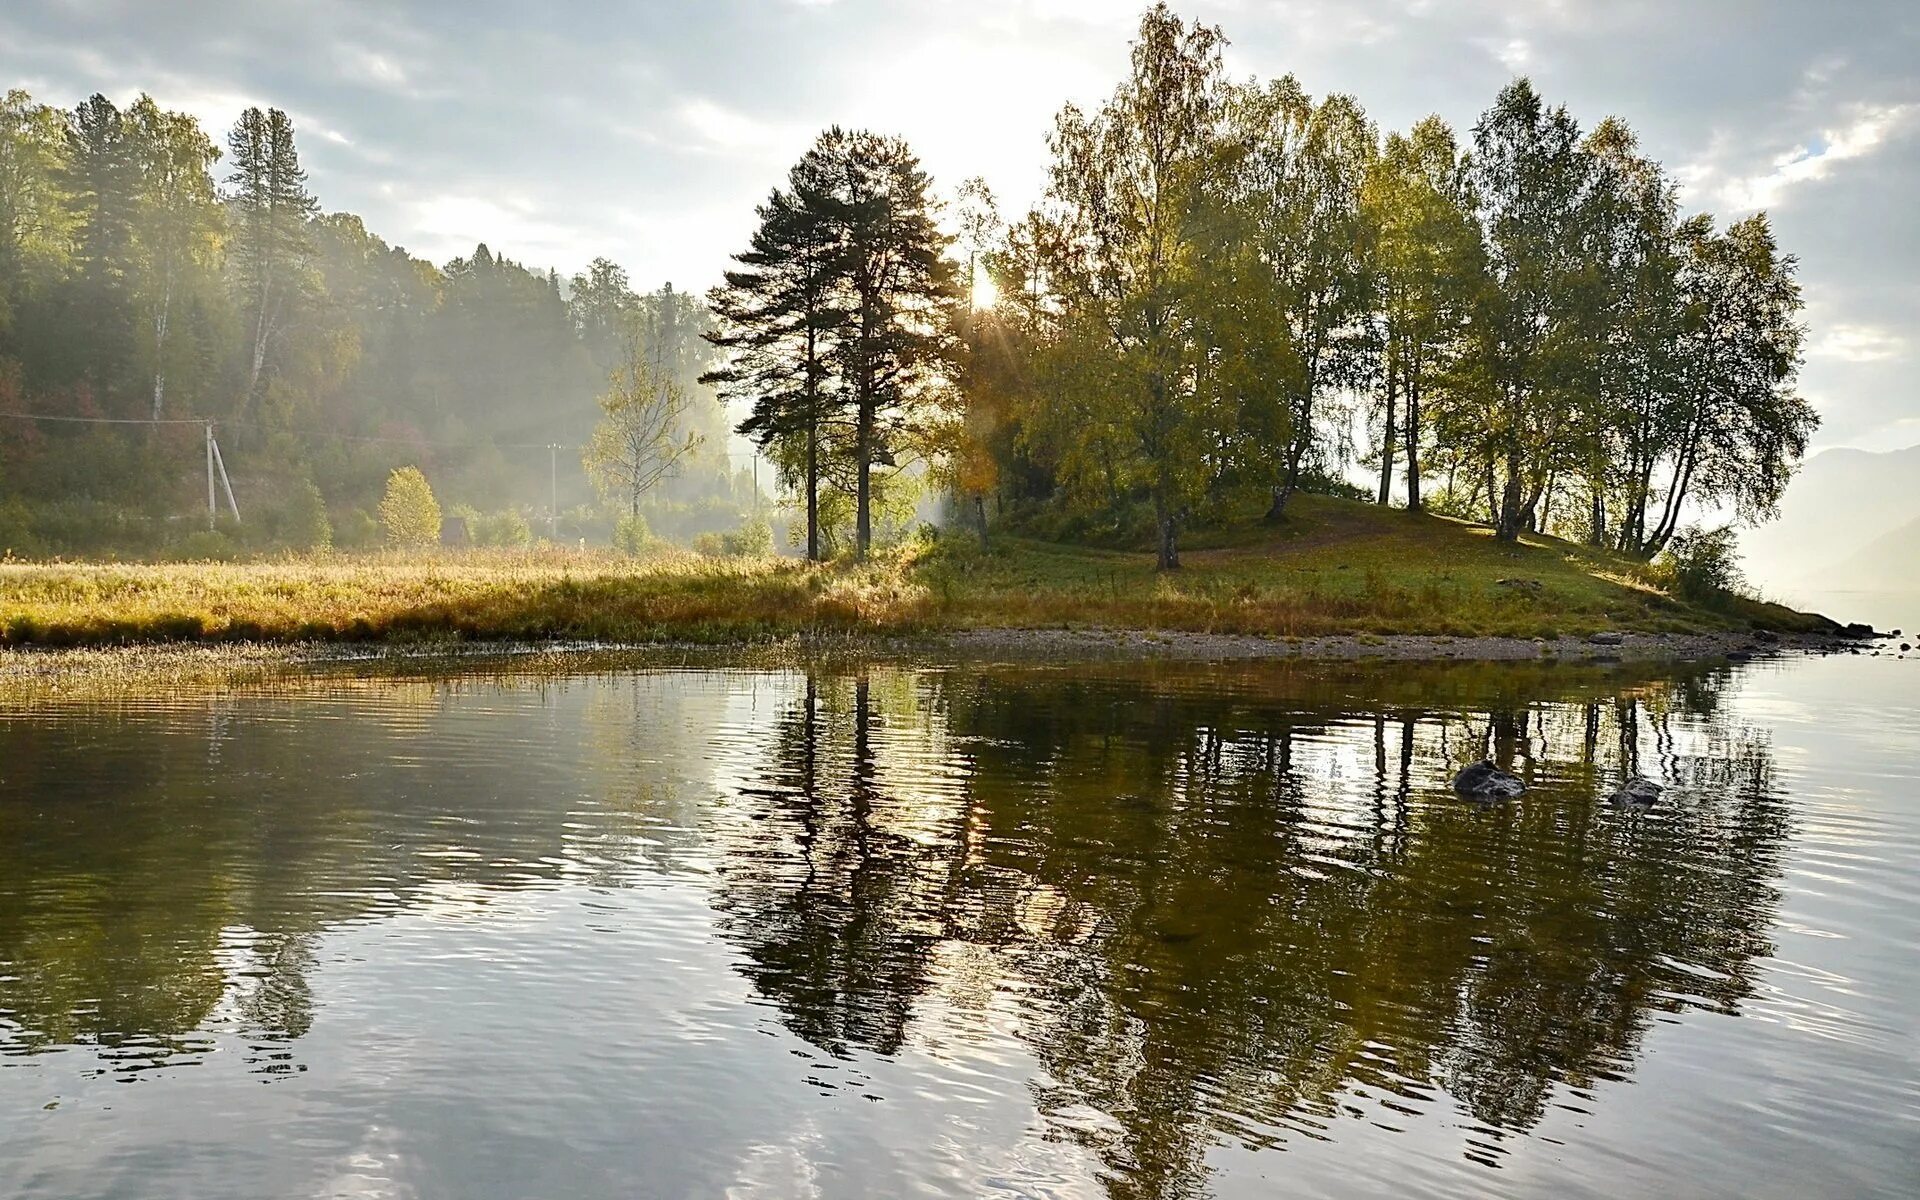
890,930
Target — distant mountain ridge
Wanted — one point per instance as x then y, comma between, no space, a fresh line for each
1850,520
1888,563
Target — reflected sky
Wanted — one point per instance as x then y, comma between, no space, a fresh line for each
1099,930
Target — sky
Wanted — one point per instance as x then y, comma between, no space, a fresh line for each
646,132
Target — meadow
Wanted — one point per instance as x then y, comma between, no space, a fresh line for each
1338,567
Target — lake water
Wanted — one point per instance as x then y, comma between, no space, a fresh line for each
889,930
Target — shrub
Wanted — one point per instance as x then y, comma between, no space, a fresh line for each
1701,566
17,538
630,534
505,528
356,530
409,513
205,545
752,539
304,524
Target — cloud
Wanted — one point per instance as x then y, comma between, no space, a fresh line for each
453,223
1858,344
715,126
1865,129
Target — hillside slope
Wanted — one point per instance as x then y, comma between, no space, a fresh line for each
1338,567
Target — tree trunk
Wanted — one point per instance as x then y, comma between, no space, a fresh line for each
1296,451
160,346
863,450
1413,437
980,516
1168,526
1386,440
813,485
1509,512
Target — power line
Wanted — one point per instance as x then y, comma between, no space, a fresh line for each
338,437
102,420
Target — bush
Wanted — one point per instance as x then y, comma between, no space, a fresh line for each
409,513
205,545
630,535
17,538
752,539
304,524
1701,566
356,530
506,528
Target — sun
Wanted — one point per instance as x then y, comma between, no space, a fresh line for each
984,293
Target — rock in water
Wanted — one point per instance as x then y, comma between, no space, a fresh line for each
1636,793
1484,781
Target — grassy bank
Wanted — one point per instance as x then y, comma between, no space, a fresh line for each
1337,567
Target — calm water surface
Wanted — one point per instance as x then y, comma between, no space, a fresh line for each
1026,931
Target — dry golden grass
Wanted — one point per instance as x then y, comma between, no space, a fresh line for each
1339,567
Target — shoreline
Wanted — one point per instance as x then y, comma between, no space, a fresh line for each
38,669
1405,647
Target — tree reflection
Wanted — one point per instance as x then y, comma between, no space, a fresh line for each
1216,905
1236,906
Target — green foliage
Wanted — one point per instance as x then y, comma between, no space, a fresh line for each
1229,289
304,524
641,438
17,537
409,514
754,539
203,545
356,530
506,529
837,321
1702,566
631,535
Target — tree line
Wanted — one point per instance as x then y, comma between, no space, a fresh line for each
1232,291
147,273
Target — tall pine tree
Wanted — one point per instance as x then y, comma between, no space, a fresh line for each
272,250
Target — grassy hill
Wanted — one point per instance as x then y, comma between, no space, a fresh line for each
1336,567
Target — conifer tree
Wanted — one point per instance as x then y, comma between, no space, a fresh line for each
272,248
780,325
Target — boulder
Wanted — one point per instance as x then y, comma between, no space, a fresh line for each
1608,637
1484,781
1636,793
1855,629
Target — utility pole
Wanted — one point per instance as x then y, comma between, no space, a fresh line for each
553,492
220,460
210,503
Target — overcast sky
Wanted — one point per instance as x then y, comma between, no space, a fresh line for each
647,131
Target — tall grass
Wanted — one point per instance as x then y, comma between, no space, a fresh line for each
1342,569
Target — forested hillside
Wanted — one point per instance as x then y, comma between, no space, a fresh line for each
152,280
